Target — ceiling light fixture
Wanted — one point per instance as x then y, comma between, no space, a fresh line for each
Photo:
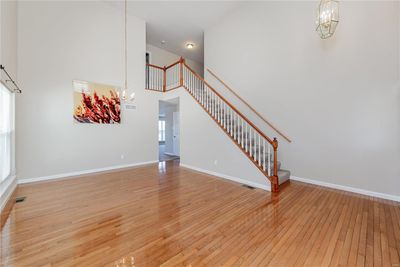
125,88
327,18
189,45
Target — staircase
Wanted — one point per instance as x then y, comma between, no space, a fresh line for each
260,149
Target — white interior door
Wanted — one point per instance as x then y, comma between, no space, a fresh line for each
176,134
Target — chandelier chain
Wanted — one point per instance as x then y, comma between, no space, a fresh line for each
126,46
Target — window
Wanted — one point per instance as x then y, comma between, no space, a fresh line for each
6,131
161,130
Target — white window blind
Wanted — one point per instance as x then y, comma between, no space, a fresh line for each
6,131
161,130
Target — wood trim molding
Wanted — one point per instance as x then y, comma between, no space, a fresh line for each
9,201
346,188
160,91
249,106
231,106
154,66
173,88
173,64
228,177
77,174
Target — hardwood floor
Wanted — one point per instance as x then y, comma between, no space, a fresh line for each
167,215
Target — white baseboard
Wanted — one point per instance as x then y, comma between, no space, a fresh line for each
79,173
7,189
235,179
347,188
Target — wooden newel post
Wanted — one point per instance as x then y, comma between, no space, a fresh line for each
181,61
275,181
165,79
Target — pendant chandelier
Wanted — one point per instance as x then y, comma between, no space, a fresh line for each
327,18
125,90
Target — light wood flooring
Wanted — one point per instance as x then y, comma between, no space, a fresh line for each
171,216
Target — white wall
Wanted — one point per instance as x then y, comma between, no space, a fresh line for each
8,35
8,58
163,57
338,99
62,41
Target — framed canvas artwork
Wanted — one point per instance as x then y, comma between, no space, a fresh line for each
96,103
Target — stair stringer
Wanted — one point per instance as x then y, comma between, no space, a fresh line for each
211,144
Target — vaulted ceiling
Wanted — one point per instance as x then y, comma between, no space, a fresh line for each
179,22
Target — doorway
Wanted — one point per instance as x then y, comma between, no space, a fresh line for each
169,130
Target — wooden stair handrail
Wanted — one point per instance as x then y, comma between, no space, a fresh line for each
249,106
154,66
173,64
182,61
274,144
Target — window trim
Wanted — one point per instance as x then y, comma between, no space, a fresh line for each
11,134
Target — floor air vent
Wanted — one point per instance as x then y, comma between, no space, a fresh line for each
248,186
20,199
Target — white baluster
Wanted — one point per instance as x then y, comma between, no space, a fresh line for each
224,115
152,78
227,119
220,110
259,150
263,155
255,146
158,79
201,93
177,74
234,126
255,143
212,104
205,98
269,159
247,139
241,130
191,83
215,105
251,152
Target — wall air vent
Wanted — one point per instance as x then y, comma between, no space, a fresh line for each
20,199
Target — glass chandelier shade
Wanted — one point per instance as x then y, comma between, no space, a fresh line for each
327,18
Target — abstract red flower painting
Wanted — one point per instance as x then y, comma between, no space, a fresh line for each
96,103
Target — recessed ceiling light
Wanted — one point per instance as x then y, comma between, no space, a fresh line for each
190,45
163,42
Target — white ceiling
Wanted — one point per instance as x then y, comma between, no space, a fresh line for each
179,22
165,104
